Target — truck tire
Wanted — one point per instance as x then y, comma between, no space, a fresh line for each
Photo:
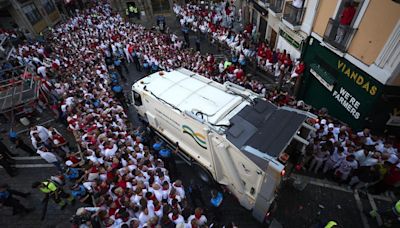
203,174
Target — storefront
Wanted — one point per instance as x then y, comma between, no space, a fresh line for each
349,94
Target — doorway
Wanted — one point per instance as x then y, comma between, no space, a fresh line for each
272,39
263,28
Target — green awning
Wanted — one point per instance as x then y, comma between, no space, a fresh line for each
325,78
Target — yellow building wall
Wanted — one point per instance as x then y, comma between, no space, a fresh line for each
374,30
325,11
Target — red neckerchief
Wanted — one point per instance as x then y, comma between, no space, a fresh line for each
157,208
175,217
165,188
197,216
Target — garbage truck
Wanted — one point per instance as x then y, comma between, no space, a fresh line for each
228,134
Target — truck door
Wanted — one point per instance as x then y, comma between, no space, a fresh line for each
266,194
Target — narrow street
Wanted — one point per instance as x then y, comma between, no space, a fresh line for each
304,203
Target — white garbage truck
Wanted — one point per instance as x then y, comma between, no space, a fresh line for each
229,134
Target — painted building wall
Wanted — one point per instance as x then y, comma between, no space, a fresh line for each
374,30
308,19
325,11
349,93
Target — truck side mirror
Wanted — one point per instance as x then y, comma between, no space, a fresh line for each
137,99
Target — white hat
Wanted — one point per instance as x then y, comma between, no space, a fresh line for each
323,121
398,165
69,163
331,125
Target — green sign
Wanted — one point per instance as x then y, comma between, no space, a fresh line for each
289,39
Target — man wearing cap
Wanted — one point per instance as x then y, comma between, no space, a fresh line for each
19,143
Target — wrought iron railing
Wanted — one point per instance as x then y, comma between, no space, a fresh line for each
293,14
276,5
338,35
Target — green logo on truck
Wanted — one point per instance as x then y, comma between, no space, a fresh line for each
198,138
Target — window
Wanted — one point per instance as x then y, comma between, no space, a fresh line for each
340,29
344,15
32,13
137,99
48,5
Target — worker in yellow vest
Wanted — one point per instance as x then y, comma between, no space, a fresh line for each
388,214
55,192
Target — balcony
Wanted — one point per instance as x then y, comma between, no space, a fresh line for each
264,2
338,35
293,16
276,6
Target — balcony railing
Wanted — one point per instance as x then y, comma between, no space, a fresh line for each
276,6
338,35
265,2
293,15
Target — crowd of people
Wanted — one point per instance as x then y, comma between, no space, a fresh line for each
216,21
84,61
361,159
128,178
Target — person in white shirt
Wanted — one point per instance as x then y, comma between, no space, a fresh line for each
346,167
43,132
176,217
179,188
49,157
199,217
335,159
365,157
42,71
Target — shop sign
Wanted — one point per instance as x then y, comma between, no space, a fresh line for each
349,102
358,78
290,39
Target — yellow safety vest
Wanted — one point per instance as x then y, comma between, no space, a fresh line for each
330,224
131,9
48,187
135,9
126,12
397,207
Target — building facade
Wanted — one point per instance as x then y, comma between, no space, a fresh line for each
283,24
352,62
31,16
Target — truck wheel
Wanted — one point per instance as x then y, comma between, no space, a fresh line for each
203,174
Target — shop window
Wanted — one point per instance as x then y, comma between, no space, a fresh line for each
48,6
32,13
340,29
